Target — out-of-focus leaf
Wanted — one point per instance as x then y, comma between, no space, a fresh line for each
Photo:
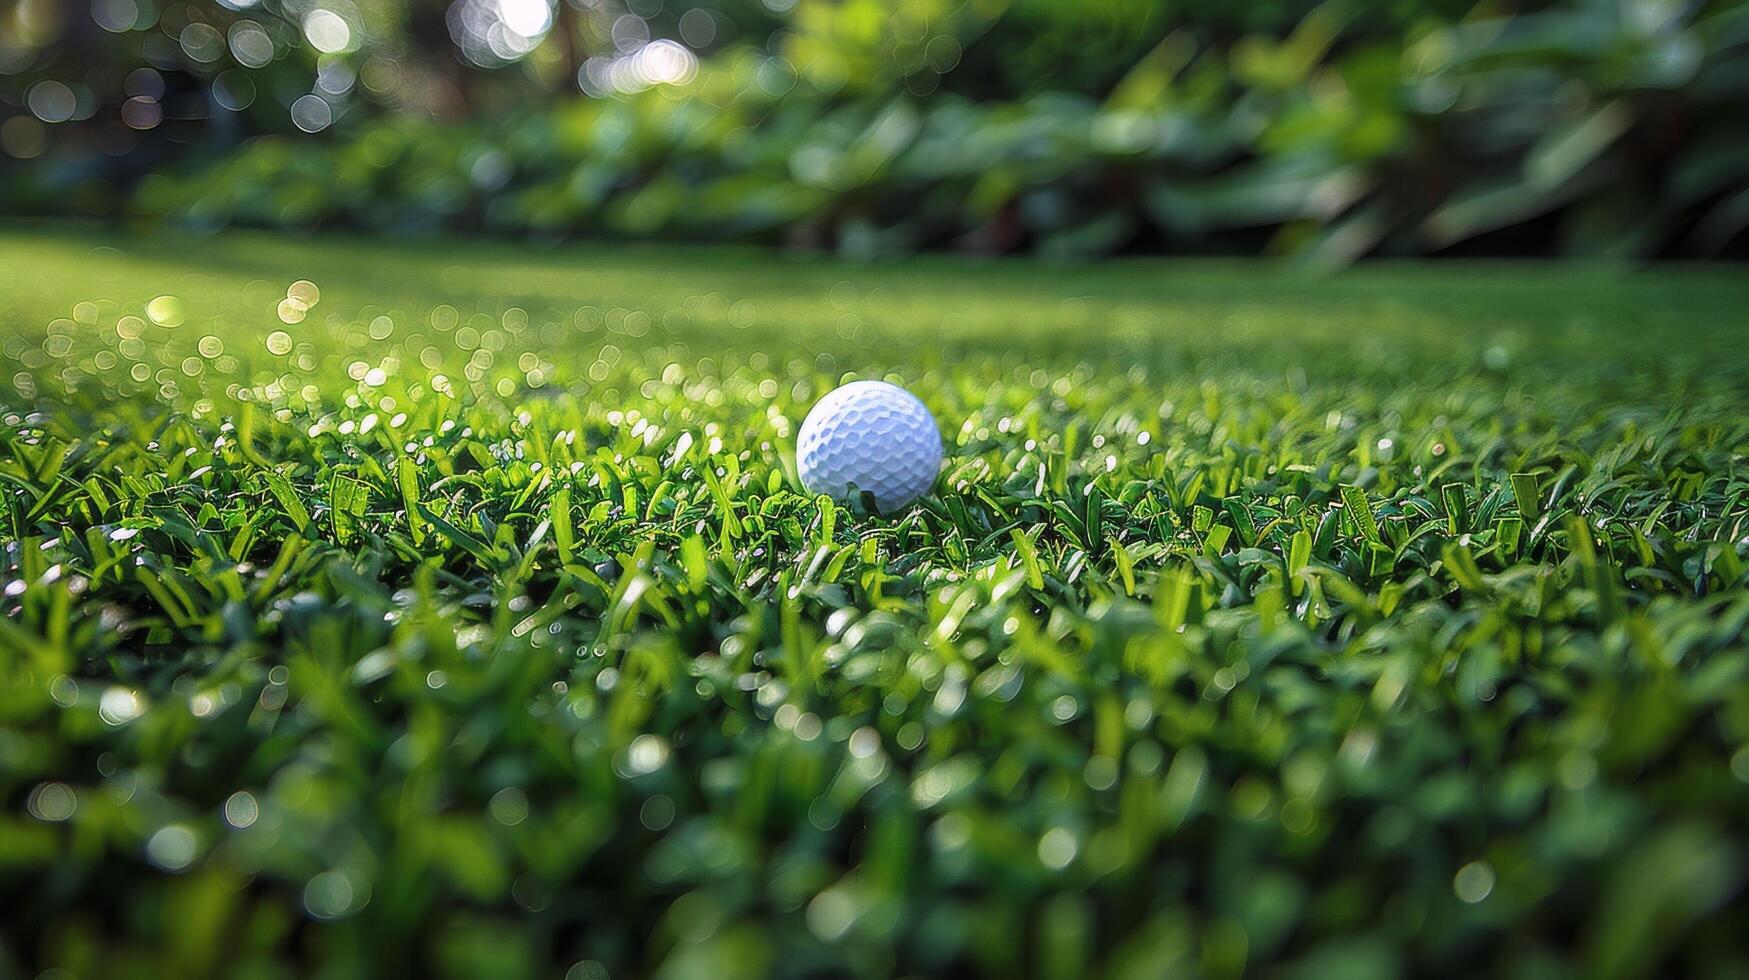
1559,156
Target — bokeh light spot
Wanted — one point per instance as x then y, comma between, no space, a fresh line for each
52,802
52,101
173,848
141,112
327,31
165,311
23,137
116,16
312,113
202,43
242,809
333,895
250,44
1473,882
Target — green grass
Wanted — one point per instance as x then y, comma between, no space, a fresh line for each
1390,623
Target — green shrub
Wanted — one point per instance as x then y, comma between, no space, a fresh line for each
1581,129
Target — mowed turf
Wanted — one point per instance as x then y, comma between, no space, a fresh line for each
382,607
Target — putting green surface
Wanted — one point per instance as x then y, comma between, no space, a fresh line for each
384,606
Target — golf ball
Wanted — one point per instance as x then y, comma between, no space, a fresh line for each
869,435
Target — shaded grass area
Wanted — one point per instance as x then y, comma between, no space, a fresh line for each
462,614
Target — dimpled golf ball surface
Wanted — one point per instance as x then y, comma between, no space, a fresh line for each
873,436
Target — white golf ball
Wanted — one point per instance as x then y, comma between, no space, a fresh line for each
869,435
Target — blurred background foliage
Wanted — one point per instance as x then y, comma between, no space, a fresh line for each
1328,131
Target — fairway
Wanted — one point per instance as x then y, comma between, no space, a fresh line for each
376,607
